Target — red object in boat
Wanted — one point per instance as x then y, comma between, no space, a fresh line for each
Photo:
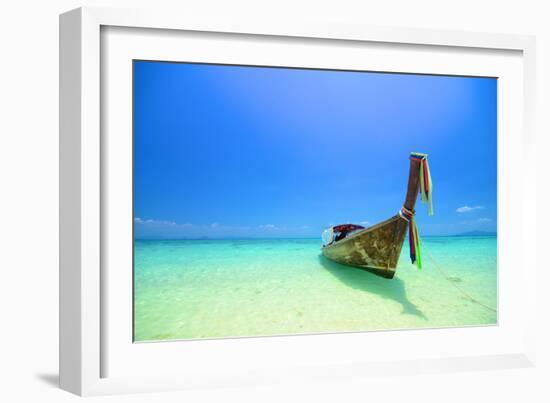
346,227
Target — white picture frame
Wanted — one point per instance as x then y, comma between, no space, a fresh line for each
88,344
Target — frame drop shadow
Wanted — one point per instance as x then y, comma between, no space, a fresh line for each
49,379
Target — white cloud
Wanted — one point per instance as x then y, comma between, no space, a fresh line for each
138,220
364,222
468,209
484,219
153,228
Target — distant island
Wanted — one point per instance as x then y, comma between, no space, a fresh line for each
477,233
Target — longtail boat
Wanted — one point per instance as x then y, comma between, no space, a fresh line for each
377,248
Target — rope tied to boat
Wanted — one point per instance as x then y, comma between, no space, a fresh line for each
426,186
461,290
414,236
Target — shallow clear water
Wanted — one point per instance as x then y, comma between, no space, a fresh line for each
188,289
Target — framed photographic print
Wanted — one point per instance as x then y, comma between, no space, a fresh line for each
238,170
248,201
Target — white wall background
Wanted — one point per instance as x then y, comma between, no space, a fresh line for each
29,201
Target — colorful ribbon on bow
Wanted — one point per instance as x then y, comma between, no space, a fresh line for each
414,237
426,187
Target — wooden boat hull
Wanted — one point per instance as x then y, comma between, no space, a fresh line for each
375,249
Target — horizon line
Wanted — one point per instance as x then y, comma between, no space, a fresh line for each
487,234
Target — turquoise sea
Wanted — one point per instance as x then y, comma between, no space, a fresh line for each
188,289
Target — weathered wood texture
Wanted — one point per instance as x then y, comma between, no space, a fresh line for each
377,249
413,186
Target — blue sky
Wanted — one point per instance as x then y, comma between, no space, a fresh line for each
240,152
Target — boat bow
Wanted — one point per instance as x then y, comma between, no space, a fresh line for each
377,248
